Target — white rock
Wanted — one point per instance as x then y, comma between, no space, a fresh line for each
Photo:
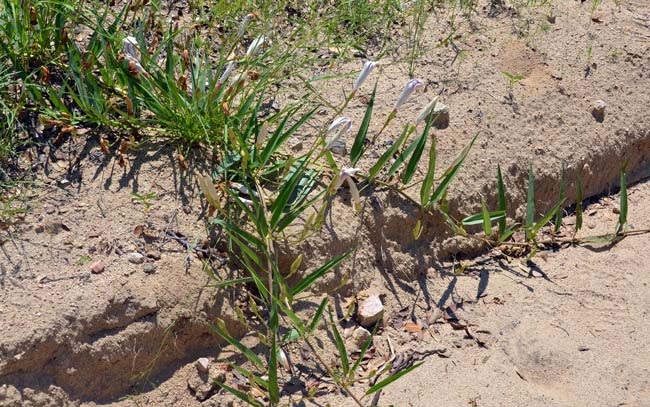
360,336
135,258
441,116
370,310
203,365
598,110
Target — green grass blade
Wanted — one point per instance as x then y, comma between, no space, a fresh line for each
501,190
408,129
451,172
362,353
417,153
228,283
318,315
306,282
559,213
477,219
402,157
579,203
546,218
530,202
240,395
359,142
340,346
427,183
274,390
487,221
220,330
391,379
622,216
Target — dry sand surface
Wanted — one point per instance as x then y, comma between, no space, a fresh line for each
570,328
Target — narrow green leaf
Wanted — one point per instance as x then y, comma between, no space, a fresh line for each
228,283
427,183
402,158
306,282
559,213
530,202
579,203
274,390
451,172
340,345
487,221
240,395
362,353
477,218
546,218
318,315
501,190
359,142
391,379
287,189
234,342
622,217
408,129
417,153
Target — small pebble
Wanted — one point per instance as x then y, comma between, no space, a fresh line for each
370,310
135,258
598,110
203,365
153,254
39,228
149,268
97,267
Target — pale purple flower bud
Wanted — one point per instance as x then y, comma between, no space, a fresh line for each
424,113
346,175
411,86
255,46
244,23
338,127
130,44
367,68
230,66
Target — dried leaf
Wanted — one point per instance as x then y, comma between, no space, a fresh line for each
412,327
137,231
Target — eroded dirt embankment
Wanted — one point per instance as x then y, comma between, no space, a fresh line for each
90,335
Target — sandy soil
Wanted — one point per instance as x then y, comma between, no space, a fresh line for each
569,329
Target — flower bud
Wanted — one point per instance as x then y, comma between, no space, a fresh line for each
367,68
410,87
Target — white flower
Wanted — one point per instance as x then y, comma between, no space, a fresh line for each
424,113
255,46
367,68
244,23
230,66
410,87
346,175
338,127
130,44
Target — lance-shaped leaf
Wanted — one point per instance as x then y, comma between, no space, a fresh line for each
306,282
359,141
450,174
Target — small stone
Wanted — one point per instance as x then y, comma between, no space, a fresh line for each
39,228
370,310
203,365
360,336
616,210
153,254
49,209
10,396
149,268
97,267
135,258
598,110
295,144
217,374
441,116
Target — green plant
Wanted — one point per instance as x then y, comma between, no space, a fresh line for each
145,200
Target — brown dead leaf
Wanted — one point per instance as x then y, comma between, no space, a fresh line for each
412,327
103,145
137,231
